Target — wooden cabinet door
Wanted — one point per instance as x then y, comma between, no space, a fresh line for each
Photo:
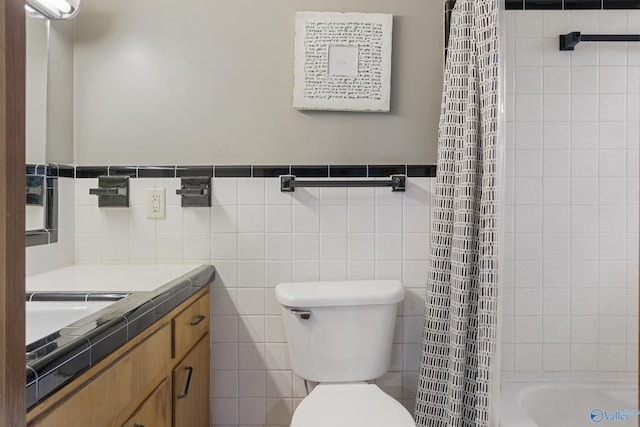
156,410
105,400
191,387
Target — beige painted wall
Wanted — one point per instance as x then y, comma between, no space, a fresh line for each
37,34
49,91
210,82
60,93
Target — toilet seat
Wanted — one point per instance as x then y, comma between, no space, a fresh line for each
350,405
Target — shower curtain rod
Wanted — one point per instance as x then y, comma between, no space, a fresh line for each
569,41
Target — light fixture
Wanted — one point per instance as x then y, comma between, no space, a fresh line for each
52,9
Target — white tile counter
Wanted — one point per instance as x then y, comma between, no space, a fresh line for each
108,278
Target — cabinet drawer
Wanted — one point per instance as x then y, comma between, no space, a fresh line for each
190,325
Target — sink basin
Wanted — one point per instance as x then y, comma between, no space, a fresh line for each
46,317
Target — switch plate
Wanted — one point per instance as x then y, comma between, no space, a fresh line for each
156,203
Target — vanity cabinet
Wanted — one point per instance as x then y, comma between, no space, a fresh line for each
158,379
191,385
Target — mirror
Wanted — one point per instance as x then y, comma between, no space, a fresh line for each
49,122
37,40
37,52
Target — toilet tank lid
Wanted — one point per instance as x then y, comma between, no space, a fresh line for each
341,293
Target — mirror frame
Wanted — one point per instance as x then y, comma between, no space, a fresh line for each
49,232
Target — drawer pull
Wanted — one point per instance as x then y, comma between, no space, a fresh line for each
186,387
199,319
138,425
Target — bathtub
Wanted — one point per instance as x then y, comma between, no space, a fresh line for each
46,317
568,404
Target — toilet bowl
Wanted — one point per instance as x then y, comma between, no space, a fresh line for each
340,335
350,405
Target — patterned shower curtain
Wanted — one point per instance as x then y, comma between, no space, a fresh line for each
459,347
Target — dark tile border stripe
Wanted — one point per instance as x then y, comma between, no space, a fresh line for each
240,171
428,171
514,4
130,171
66,171
582,4
621,4
232,171
543,4
255,171
357,171
571,4
157,172
32,169
381,171
194,171
310,171
91,171
270,171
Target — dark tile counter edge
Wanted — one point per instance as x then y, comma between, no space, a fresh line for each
76,296
57,359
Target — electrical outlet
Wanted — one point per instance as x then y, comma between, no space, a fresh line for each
156,203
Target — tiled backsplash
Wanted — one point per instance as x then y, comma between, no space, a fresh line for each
571,285
257,236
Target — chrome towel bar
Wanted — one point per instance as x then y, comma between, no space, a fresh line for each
569,41
289,183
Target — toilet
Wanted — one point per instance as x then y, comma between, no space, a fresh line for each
340,336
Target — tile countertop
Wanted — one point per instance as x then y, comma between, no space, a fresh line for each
106,278
151,292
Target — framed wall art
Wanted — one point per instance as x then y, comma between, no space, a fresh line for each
342,61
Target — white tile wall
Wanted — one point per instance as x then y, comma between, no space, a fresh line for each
257,237
571,276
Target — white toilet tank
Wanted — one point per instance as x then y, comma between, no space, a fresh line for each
340,331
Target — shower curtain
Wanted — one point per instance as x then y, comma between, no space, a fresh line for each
459,346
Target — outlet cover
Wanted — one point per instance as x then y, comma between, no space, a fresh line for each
156,203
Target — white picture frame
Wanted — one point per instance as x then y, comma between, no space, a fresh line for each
342,61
